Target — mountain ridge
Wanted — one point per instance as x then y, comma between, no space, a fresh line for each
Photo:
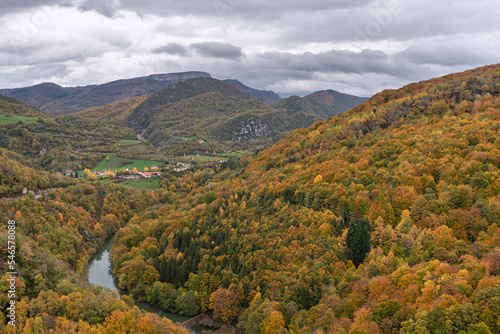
57,100
268,97
340,102
213,110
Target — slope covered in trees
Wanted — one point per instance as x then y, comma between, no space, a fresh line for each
65,143
324,104
13,107
15,177
268,97
56,234
264,243
304,104
338,101
216,112
116,111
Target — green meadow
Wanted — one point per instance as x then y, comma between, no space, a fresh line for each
116,163
148,184
128,141
14,119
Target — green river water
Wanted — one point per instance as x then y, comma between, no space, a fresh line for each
100,274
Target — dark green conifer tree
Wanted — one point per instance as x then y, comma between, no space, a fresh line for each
358,240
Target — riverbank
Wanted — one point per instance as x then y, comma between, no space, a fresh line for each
100,273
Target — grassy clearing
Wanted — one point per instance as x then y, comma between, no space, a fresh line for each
14,119
139,148
116,163
128,141
238,154
207,157
202,157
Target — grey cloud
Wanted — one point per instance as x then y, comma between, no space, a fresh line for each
9,7
42,71
422,39
443,53
254,10
258,9
217,50
172,49
393,20
339,61
52,53
107,8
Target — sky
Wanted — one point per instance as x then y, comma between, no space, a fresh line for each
293,47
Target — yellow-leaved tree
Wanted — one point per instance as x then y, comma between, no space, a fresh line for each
87,173
225,304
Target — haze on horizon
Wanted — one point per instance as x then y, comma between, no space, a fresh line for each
358,47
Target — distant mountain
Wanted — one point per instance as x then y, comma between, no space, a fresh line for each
12,107
340,102
56,100
307,105
213,111
268,97
324,104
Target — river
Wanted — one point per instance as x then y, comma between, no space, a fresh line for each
100,274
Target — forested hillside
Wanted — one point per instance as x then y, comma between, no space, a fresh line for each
64,143
381,220
217,113
296,103
56,234
268,97
338,101
116,111
11,107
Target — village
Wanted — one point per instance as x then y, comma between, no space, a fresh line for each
126,173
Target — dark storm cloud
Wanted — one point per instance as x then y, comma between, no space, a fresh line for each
175,49
217,50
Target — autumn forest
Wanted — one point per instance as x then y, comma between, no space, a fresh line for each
382,219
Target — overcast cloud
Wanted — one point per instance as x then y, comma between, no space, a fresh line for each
292,46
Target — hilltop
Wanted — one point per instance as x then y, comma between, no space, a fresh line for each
302,104
324,104
229,116
277,242
12,107
339,102
56,100
217,113
268,97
